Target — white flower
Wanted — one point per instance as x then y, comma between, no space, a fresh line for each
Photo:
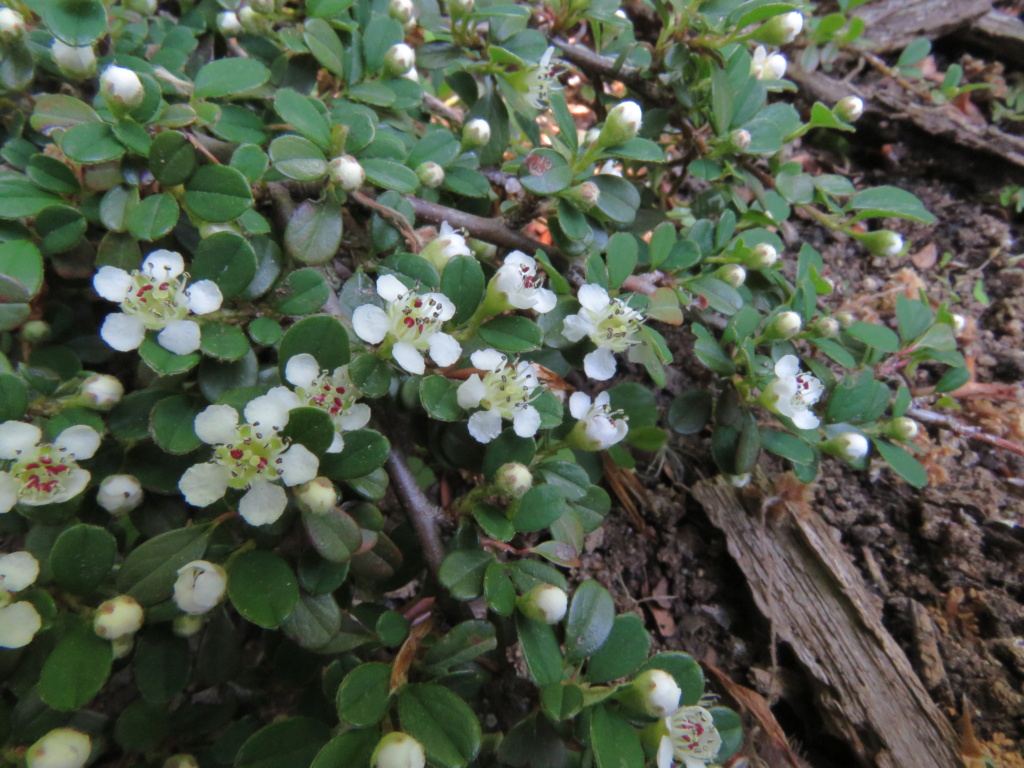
331,392
155,298
765,67
539,80
398,750
692,739
43,474
74,60
505,392
200,586
18,570
19,621
658,692
610,323
521,285
412,323
250,457
122,86
448,244
60,748
119,494
597,428
117,618
102,391
12,23
793,393
610,168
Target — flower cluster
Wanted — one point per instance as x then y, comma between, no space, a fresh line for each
611,324
504,392
47,473
155,298
19,620
333,392
252,457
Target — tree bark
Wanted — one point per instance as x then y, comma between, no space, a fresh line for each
891,24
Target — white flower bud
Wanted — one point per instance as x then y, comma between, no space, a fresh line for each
826,327
884,242
60,748
849,109
903,428
740,139
181,761
12,23
118,617
851,446
200,586
399,59
249,19
187,625
431,175
121,86
102,392
514,479
846,319
546,603
738,481
36,332
119,494
347,173
763,256
959,324
780,29
74,61
228,23
658,692
784,325
459,8
588,194
623,124
398,750
317,497
733,274
18,570
477,132
402,10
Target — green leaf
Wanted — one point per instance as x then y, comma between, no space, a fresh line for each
905,465
877,336
224,342
439,398
303,115
333,534
917,50
21,262
75,670
289,743
953,379
61,228
297,158
463,282
20,198
227,259
172,160
224,78
52,175
349,749
74,22
262,587
615,742
499,590
371,374
887,201
83,557
561,701
56,110
511,333
691,411
217,193
324,44
619,198
641,150
365,694
153,217
13,394
266,331
364,451
625,649
621,255
441,721
388,174
302,292
710,353
251,161
172,423
589,621
545,172
686,671
321,336
788,446
313,233
494,522
462,644
150,570
91,143
462,572
538,508
310,426
163,663
730,727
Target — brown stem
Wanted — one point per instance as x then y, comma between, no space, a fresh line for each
438,107
974,433
422,514
595,64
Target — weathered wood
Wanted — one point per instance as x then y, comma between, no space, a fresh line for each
805,584
998,33
891,24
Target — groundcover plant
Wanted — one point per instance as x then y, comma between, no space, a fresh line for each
321,325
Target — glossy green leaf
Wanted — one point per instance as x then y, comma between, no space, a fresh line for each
302,114
439,398
335,535
462,572
511,333
75,22
365,694
905,465
388,174
463,282
172,160
365,450
686,671
172,423
462,644
262,587
217,193
589,621
226,258
540,650
229,78
91,143
150,570
297,158
314,622
19,198
885,201
223,341
76,669
301,293
153,217
163,664
615,742
324,44
83,557
625,649
441,721
313,233
289,743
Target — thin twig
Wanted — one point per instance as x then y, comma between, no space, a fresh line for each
595,64
964,430
390,213
438,107
422,514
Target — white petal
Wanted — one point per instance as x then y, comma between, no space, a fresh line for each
544,300
112,284
805,419
81,441
267,410
9,489
370,323
407,356
787,365
447,307
301,370
600,364
17,571
19,623
216,425
390,287
337,444
444,350
665,753
575,327
73,483
354,417
484,426
17,436
180,337
602,400
204,297
579,404
471,392
263,503
122,332
593,297
526,422
285,397
518,258
163,264
203,484
488,359
298,465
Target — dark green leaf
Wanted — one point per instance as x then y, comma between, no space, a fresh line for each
229,77
589,622
262,587
150,570
217,193
441,721
75,670
615,742
625,649
82,558
364,694
289,743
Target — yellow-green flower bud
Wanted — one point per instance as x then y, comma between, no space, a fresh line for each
884,242
784,325
623,124
902,428
545,603
430,174
60,748
118,617
317,497
398,750
733,274
849,109
476,133
513,479
781,29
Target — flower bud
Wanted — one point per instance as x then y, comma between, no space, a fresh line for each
846,319
12,23
623,124
249,19
118,617
763,256
398,750
740,139
145,7
459,8
317,497
102,392
77,62
784,325
60,748
119,494
401,10
347,173
228,24
850,446
187,625
181,761
657,693
959,324
780,29
476,133
431,175
584,196
121,647
546,603
399,59
884,242
733,274
902,428
36,332
513,479
200,586
825,327
121,87
849,109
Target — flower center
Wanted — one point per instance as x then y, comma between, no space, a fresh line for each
415,318
254,454
508,390
808,391
43,471
333,394
615,326
156,302
529,277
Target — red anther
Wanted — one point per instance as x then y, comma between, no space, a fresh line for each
237,454
417,303
409,322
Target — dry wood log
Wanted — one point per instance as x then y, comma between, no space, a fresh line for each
891,24
805,584
1000,34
